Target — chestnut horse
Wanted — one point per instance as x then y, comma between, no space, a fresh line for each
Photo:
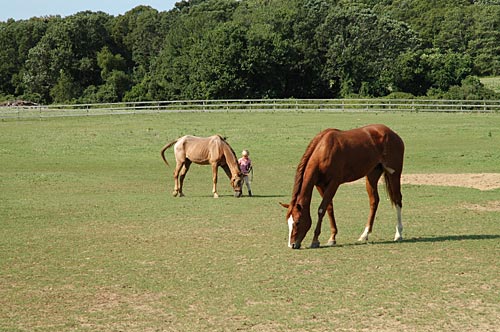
334,157
213,150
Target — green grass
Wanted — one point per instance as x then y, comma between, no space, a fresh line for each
92,240
492,83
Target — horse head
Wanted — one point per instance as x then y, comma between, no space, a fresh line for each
299,223
236,183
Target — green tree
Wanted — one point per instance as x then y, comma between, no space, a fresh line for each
17,38
360,48
484,46
139,35
109,62
115,87
418,72
70,45
174,72
65,89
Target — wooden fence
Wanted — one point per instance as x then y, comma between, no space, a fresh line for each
253,105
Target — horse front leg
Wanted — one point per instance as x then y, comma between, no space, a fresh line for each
214,178
333,228
326,206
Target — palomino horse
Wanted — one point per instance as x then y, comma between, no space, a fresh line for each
334,157
213,150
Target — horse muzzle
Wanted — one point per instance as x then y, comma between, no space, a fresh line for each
295,246
237,194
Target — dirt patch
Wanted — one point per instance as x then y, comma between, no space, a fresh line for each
481,181
491,206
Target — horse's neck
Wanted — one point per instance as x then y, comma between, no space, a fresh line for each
304,194
231,161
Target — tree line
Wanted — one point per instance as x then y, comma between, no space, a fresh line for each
215,49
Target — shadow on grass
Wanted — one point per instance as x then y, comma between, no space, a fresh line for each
422,239
454,238
243,196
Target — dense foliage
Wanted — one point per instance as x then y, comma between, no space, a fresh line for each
208,49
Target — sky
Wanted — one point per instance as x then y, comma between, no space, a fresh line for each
25,9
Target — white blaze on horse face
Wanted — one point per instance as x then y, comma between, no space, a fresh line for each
290,228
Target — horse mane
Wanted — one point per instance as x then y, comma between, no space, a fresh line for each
224,138
229,147
299,175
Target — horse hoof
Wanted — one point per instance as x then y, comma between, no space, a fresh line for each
216,196
175,193
398,239
331,243
314,245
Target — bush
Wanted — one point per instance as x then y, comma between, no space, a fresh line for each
471,89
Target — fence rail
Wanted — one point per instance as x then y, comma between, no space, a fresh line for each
252,105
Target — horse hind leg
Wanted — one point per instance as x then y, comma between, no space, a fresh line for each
399,227
372,190
177,185
393,183
182,176
394,187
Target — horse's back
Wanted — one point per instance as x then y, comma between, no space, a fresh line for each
388,144
193,148
352,154
374,135
200,150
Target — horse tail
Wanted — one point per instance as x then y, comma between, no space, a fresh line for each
394,194
392,175
164,149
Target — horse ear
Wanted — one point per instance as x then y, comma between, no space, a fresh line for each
286,206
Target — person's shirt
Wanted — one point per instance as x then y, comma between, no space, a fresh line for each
245,165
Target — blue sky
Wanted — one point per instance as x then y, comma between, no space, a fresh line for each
25,9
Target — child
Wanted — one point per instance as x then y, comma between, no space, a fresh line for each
245,167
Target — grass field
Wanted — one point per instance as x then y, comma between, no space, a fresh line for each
492,83
92,240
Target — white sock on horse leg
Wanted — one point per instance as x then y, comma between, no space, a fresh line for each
399,227
364,236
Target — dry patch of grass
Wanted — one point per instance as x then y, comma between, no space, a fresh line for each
481,181
491,206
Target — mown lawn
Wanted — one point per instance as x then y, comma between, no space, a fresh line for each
92,240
